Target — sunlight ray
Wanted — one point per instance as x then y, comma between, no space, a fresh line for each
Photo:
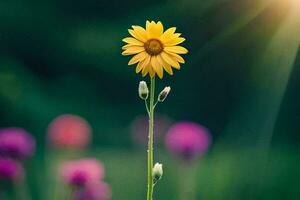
234,27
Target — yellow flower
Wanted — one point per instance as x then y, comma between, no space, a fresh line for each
154,50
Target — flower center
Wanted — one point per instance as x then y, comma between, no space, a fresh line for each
153,47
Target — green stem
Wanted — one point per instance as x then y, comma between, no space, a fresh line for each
150,141
146,105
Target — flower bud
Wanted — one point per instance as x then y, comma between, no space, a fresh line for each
164,93
143,90
157,172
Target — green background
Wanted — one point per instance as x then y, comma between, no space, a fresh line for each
240,80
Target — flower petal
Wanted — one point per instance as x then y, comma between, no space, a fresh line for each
177,57
141,32
168,33
171,37
157,66
149,28
154,30
168,69
159,28
148,25
138,58
142,64
133,50
138,67
165,65
131,40
151,72
174,41
176,49
146,70
133,34
129,45
168,59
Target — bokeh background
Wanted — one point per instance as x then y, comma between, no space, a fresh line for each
240,81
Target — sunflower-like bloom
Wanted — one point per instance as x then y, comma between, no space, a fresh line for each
154,50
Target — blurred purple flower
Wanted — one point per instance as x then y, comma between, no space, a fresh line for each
187,140
16,143
82,172
95,191
139,128
69,131
10,170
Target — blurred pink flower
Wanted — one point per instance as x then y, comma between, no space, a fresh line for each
69,131
95,191
82,172
16,143
187,140
139,128
10,170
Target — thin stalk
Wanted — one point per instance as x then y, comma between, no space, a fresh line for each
146,105
150,141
